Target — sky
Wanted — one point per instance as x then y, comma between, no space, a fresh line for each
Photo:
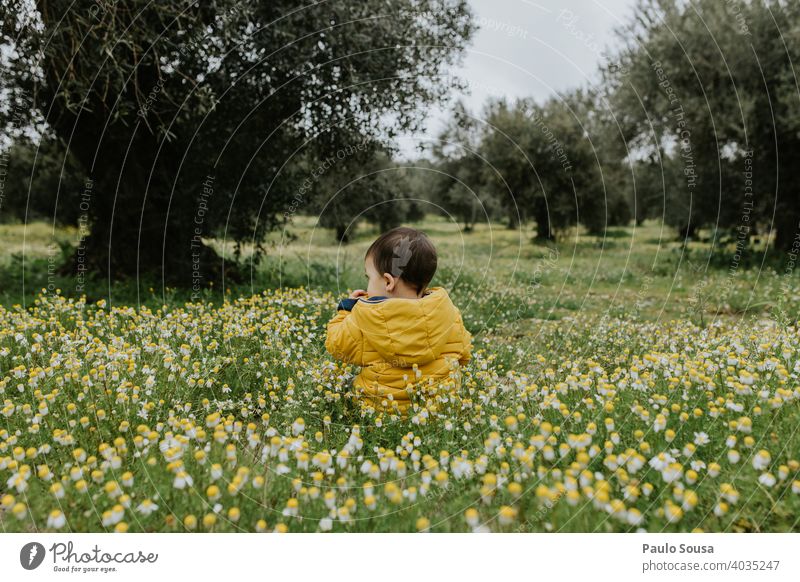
526,48
529,48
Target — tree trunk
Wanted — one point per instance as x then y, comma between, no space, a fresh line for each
688,232
513,219
144,221
787,233
342,233
542,217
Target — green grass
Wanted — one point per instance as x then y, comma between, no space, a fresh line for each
640,272
566,338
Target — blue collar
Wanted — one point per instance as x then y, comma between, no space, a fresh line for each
375,298
348,303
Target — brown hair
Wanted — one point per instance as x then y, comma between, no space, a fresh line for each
406,253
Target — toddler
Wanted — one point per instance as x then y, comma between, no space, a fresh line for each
399,331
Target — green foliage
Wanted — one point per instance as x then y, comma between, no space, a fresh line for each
458,186
695,123
360,184
547,163
43,182
709,93
191,119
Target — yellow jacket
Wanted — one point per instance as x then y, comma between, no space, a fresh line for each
398,342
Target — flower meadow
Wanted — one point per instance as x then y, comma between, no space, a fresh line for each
232,417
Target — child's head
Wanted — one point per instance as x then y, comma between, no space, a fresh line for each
400,263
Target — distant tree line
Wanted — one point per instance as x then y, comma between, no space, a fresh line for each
695,121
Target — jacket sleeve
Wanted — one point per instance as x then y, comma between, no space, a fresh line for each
345,341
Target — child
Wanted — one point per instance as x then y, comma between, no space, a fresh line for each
399,331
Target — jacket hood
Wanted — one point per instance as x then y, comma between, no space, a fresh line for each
408,331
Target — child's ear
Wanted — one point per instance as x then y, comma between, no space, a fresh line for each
390,281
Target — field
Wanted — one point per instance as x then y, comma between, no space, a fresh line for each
620,383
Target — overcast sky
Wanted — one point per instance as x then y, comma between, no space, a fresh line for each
531,48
